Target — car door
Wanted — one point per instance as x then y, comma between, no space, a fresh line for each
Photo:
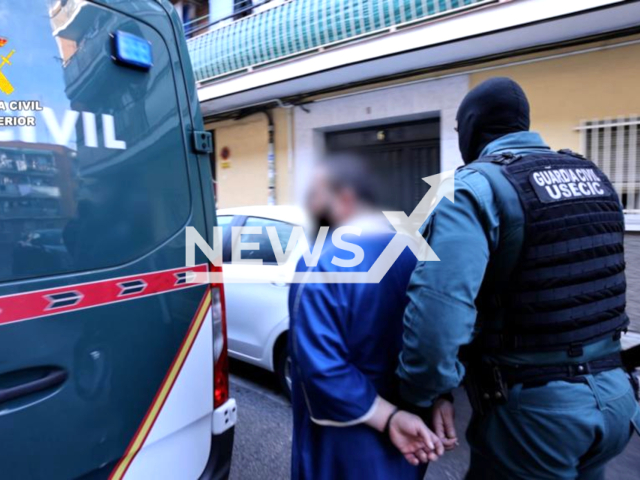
105,349
255,309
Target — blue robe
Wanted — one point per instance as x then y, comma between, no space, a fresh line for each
345,340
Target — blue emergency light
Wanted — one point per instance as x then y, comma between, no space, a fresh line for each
129,49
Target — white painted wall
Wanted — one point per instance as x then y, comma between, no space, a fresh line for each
220,9
381,107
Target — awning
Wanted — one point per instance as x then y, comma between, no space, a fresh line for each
304,26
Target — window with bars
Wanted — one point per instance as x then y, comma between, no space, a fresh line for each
614,145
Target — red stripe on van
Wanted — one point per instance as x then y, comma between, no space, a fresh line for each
42,303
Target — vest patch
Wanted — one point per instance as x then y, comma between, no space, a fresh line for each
556,185
567,287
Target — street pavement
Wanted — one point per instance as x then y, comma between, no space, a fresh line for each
263,434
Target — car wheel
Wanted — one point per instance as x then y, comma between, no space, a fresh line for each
283,370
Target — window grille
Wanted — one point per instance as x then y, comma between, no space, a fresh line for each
614,145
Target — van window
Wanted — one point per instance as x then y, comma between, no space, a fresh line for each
101,178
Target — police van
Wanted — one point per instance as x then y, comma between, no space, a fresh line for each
113,364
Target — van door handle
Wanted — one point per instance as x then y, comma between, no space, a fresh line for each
52,379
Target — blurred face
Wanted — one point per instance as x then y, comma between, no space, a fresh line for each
326,206
319,199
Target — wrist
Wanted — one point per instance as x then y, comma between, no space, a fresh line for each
380,411
387,425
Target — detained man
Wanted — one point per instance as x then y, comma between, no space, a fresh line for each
345,339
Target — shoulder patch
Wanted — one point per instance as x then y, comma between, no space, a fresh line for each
571,183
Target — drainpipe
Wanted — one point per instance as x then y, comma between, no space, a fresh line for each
271,160
289,109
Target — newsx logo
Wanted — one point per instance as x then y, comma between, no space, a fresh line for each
407,235
62,130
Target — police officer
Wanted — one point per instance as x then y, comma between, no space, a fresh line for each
528,298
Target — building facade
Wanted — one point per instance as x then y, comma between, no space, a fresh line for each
386,77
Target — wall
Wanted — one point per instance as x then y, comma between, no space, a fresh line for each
220,9
245,181
564,91
397,104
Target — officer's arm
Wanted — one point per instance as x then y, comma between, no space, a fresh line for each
441,313
336,393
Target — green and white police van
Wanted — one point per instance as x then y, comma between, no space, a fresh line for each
113,364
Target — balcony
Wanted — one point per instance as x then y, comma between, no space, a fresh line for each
303,48
302,27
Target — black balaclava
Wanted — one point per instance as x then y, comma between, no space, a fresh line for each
493,109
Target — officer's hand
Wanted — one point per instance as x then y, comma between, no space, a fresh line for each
443,423
415,441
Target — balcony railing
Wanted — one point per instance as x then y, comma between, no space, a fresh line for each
301,27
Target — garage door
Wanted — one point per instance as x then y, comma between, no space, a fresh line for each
401,154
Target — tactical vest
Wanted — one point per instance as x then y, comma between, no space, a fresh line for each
567,287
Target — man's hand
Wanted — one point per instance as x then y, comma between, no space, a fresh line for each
414,440
443,423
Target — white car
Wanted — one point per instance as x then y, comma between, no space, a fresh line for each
257,313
